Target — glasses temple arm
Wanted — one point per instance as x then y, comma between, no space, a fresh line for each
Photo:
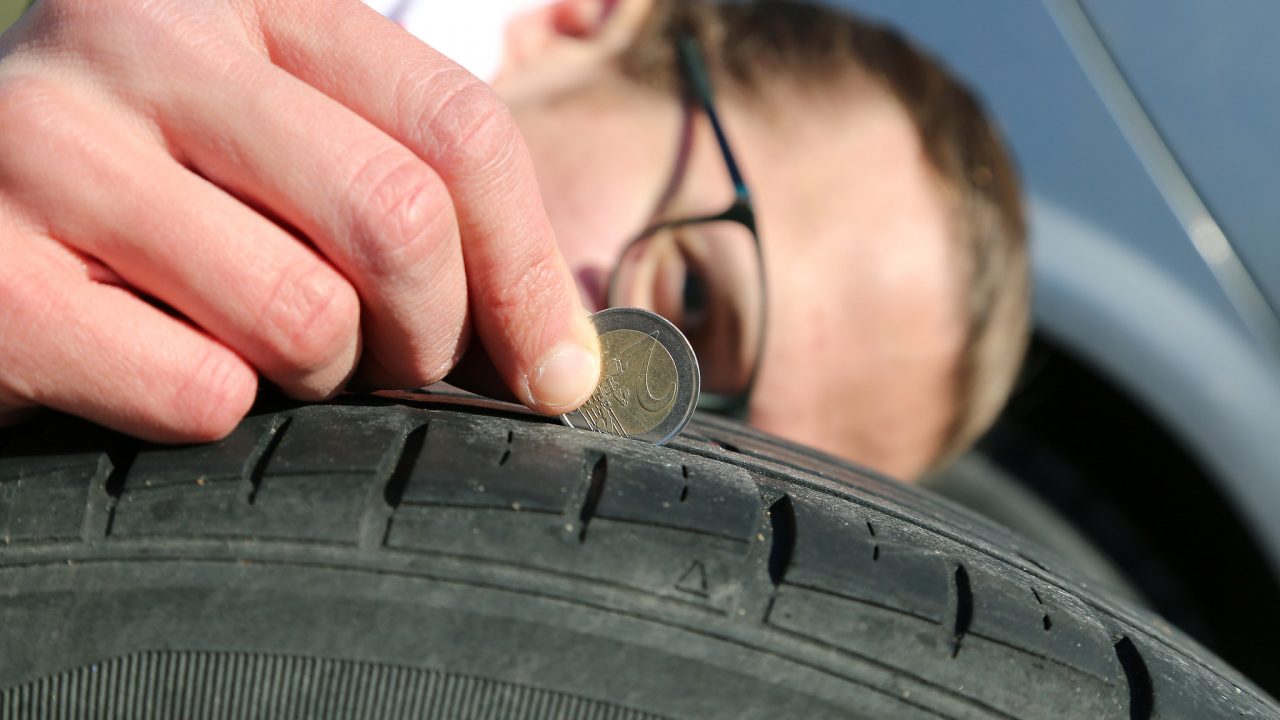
695,68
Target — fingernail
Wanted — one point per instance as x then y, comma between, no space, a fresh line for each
565,378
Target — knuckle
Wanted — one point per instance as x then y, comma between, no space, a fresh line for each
441,351
28,104
315,315
404,217
122,42
469,125
418,340
58,17
71,11
92,28
101,14
539,281
215,396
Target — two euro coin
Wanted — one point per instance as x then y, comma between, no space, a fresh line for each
649,380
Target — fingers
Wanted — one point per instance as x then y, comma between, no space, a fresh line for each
172,235
379,213
523,298
407,175
129,366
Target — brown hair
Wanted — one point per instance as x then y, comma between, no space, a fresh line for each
754,42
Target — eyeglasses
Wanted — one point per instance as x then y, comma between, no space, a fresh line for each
706,273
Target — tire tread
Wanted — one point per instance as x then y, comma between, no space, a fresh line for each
732,524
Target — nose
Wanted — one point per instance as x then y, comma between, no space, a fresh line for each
593,287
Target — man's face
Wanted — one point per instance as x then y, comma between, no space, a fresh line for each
864,298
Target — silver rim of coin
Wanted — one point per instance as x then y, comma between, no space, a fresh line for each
649,381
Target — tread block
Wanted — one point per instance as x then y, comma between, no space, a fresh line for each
1184,690
1041,621
472,461
788,459
320,441
46,478
1019,686
698,569
231,459
478,492
866,556
686,492
46,503
314,484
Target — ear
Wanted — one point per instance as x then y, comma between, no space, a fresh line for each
581,19
569,35
613,22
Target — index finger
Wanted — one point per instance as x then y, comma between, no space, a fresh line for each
525,305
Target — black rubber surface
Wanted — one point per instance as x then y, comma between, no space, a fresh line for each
380,558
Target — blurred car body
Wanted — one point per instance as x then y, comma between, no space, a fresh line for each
1145,134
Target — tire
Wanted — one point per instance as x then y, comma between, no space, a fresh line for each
387,557
975,482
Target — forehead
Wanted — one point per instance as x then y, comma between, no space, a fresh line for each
843,189
864,293
846,160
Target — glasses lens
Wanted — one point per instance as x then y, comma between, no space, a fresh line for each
706,279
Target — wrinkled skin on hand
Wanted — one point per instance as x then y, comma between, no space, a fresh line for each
193,194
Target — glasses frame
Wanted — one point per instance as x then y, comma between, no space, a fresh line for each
740,211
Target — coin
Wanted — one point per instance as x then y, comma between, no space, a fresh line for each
649,380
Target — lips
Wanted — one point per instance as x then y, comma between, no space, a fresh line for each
593,287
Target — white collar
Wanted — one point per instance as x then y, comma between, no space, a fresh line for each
469,33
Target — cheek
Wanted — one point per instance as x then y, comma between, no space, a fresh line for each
596,203
791,375
867,381
587,238
601,158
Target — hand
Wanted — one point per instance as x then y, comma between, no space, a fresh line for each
195,193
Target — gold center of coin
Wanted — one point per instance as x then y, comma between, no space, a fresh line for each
638,384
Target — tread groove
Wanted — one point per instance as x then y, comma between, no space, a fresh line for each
506,452
963,608
257,465
726,446
398,480
383,500
97,504
782,521
1044,620
104,492
121,461
1137,677
863,601
595,487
